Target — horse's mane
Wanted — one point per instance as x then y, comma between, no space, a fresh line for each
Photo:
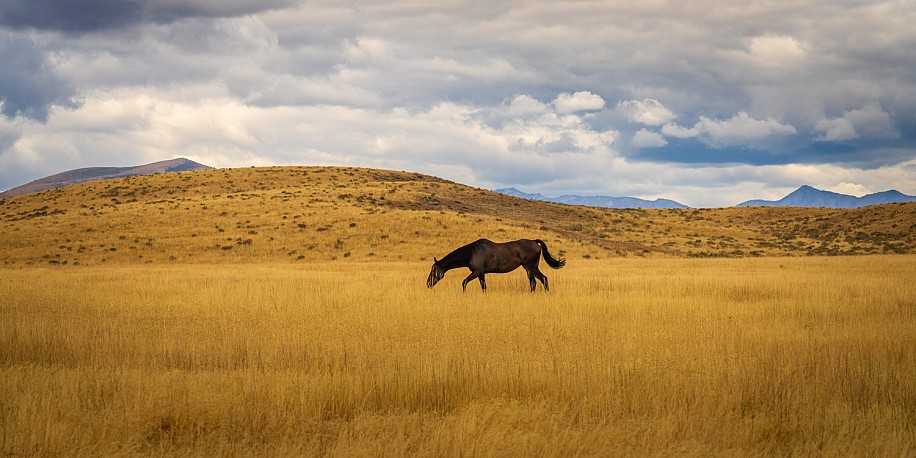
460,257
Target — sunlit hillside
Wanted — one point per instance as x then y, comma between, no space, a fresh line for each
302,214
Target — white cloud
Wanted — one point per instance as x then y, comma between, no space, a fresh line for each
853,189
738,130
650,112
676,131
579,101
532,139
534,145
741,129
647,139
776,50
476,91
524,106
537,128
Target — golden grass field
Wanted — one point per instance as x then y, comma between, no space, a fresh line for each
283,311
750,357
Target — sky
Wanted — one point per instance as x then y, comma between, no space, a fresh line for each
704,102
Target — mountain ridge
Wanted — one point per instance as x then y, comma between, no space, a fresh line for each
595,201
87,174
809,196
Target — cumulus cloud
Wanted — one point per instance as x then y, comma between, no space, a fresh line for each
835,130
677,131
647,139
873,122
738,130
533,140
650,112
580,97
523,106
869,122
579,101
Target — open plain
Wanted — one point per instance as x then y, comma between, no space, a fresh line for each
284,312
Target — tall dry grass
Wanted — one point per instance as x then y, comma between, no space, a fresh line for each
806,356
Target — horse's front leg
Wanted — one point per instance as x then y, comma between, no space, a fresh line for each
474,274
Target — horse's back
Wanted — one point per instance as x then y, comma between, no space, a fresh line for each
528,245
525,250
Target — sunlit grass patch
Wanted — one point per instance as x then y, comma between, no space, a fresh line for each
624,356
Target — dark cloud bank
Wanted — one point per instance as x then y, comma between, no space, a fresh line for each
594,97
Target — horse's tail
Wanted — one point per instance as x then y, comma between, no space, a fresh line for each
551,261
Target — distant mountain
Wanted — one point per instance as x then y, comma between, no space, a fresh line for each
102,173
807,196
596,201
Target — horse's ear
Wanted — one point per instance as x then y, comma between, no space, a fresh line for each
435,261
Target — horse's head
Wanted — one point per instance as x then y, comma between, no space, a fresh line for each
435,274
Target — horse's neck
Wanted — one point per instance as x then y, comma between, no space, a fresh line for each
458,258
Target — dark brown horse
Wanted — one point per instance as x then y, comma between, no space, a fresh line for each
485,257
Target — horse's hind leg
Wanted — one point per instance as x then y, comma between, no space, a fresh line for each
533,284
483,282
543,278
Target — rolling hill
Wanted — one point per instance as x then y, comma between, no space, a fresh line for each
88,174
334,214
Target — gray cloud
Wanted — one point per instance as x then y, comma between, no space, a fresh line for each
97,15
72,16
589,96
29,85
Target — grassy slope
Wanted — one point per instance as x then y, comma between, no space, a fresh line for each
294,214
